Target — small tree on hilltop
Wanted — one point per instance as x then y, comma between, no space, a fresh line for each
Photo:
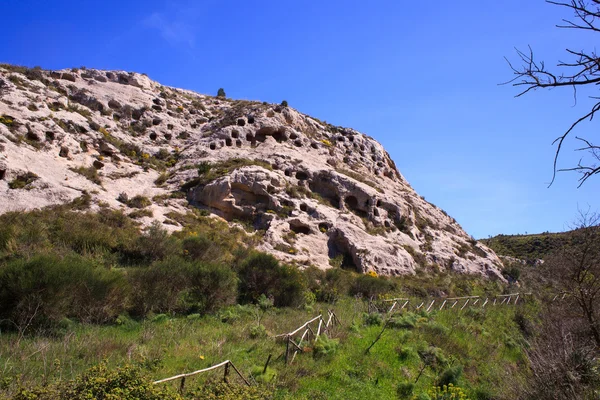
221,93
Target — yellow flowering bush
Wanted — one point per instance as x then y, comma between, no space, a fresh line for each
449,392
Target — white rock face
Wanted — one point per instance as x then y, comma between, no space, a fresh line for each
321,194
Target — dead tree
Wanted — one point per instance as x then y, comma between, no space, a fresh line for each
581,74
577,271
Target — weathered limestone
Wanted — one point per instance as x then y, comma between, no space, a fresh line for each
320,195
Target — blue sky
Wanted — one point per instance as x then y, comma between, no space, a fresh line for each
420,77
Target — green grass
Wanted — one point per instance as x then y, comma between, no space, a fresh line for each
88,269
169,346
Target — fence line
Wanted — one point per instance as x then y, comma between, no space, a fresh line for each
225,364
506,299
322,328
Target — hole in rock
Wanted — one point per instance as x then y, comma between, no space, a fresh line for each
300,228
153,136
228,142
212,146
301,175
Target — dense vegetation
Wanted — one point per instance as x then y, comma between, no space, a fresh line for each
528,247
93,306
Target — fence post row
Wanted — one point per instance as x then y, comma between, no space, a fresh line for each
322,328
225,364
451,302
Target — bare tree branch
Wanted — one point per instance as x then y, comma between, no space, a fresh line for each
582,71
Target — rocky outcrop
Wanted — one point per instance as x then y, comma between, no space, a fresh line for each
316,194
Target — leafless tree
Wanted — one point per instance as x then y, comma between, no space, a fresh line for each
576,270
563,362
581,73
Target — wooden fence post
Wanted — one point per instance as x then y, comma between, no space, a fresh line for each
226,373
267,364
287,349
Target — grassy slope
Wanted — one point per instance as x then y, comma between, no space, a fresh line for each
485,343
528,247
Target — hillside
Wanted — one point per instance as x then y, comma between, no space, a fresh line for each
529,247
311,193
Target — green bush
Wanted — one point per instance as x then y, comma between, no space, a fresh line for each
260,375
405,389
450,376
325,347
262,274
258,331
372,319
139,201
41,291
90,173
200,247
155,244
101,382
335,283
405,321
370,286
175,285
23,180
223,391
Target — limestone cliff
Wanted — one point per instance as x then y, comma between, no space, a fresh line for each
317,194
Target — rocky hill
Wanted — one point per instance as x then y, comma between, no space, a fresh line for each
313,193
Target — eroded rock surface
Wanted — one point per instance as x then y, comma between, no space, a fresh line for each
318,194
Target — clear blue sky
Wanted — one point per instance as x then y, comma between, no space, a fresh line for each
420,77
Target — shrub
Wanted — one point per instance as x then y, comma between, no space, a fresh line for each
223,391
41,291
450,376
449,392
263,376
370,286
372,319
325,347
284,103
258,331
155,244
177,285
405,389
204,167
23,180
90,173
406,321
140,213
262,274
200,247
211,286
512,273
221,93
139,201
102,382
